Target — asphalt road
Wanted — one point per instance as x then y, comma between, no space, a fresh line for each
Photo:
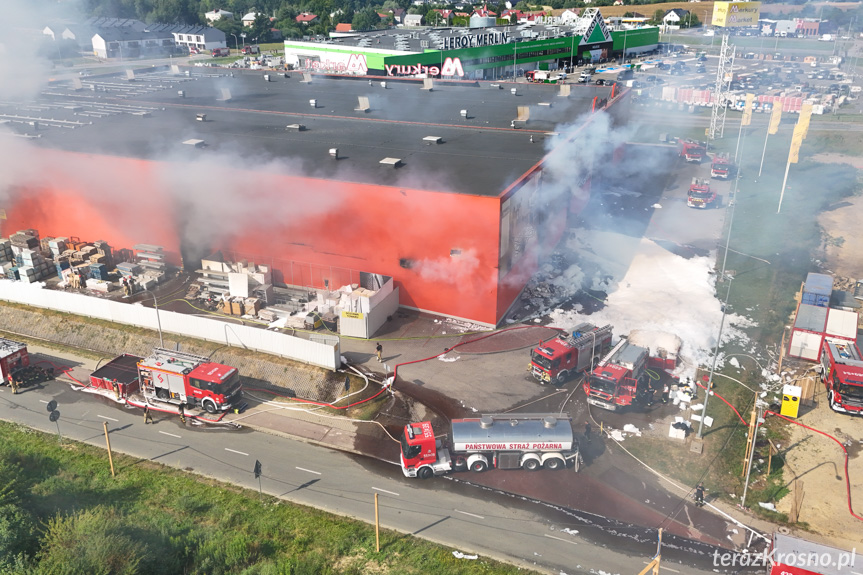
453,513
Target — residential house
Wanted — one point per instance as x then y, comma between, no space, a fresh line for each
203,38
675,16
128,43
399,15
568,17
218,14
413,20
249,19
344,27
305,19
446,16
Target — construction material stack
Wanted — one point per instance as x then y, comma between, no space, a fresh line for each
152,259
502,441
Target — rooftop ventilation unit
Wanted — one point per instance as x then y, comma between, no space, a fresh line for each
392,162
363,104
226,95
195,143
429,140
334,153
295,127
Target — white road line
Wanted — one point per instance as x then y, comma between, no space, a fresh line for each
238,452
309,470
171,434
108,418
560,539
385,491
661,568
471,514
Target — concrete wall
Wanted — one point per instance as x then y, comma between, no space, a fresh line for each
295,348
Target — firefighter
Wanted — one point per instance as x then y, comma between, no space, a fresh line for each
116,389
587,430
182,414
13,383
148,417
699,495
665,391
379,350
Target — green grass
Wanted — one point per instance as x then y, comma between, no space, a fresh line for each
62,512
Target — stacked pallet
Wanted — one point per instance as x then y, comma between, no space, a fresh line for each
32,266
6,254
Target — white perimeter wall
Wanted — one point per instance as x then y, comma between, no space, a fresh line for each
326,355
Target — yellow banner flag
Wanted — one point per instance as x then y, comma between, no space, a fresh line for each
747,110
775,118
803,121
796,141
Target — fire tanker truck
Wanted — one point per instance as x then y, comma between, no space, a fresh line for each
620,378
692,151
842,374
699,195
555,360
186,379
721,167
502,441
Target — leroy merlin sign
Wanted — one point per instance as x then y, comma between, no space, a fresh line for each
596,33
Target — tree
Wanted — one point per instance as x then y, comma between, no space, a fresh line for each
260,28
690,21
658,15
365,19
433,18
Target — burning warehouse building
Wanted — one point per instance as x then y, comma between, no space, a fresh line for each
454,189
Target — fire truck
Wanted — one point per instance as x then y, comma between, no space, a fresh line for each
842,374
619,379
699,195
692,151
556,360
502,441
186,379
542,76
721,167
15,361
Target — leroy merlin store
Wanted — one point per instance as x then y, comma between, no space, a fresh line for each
475,53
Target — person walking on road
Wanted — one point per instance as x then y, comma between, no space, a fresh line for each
699,495
587,430
379,350
148,417
182,414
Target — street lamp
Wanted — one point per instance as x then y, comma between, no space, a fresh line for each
243,36
158,320
236,42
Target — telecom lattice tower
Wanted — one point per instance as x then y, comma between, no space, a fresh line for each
721,89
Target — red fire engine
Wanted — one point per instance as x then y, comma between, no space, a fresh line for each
692,151
699,195
721,167
556,360
187,379
842,374
619,378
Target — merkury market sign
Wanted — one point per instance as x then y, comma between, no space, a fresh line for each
450,67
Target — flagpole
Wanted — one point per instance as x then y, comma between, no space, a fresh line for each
764,152
784,181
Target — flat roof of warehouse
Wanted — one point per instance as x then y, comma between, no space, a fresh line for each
478,154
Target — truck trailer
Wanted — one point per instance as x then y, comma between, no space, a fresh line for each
187,379
502,441
569,353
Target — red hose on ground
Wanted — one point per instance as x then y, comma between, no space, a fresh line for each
725,401
788,419
839,443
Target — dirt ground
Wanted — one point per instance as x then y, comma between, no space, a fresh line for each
817,461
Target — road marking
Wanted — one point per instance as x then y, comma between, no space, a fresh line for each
309,470
108,418
385,491
560,539
171,434
471,514
239,452
661,568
